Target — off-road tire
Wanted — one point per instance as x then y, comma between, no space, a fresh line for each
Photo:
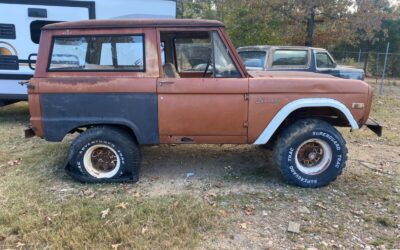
294,137
113,139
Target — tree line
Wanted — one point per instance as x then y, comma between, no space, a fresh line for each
325,23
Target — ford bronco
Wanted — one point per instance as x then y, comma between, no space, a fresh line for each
122,84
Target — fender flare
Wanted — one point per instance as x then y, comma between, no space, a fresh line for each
57,132
284,112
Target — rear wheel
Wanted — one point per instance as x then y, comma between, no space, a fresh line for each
104,154
310,153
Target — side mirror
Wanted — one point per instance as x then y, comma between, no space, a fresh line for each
31,61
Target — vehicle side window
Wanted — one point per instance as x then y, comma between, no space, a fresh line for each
253,59
282,57
192,53
98,53
195,54
224,66
324,60
162,49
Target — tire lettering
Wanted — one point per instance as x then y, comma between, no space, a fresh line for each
290,156
339,161
300,178
330,138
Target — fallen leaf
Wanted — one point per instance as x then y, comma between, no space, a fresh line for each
144,230
104,213
20,244
210,202
47,220
249,209
243,226
115,246
89,193
222,212
136,194
14,162
2,238
209,198
211,194
121,205
357,213
319,204
218,185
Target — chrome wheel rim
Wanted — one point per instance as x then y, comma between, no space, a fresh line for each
101,161
313,156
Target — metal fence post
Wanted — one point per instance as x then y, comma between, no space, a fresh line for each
384,70
377,67
359,56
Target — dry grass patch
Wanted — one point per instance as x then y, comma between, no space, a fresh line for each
42,207
385,109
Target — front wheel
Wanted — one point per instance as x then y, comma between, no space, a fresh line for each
310,153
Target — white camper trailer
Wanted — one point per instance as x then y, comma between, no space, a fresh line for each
22,20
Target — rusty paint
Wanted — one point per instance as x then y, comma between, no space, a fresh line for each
133,23
208,110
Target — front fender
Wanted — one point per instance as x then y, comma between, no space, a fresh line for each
303,103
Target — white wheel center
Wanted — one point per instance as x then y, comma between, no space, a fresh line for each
101,161
313,156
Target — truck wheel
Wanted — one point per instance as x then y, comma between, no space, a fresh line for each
104,154
310,153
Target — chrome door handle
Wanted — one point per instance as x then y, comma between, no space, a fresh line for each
166,82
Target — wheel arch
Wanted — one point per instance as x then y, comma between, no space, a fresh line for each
129,129
311,106
69,127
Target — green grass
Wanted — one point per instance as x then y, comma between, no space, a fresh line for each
42,207
386,221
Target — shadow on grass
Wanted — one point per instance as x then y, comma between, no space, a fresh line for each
17,112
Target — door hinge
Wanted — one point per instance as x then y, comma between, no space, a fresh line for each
245,124
246,97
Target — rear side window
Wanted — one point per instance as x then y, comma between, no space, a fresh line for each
253,59
98,53
290,58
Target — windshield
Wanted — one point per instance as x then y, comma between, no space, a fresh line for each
253,59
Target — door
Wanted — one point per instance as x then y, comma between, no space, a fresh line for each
202,96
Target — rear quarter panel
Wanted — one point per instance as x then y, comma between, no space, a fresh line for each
62,101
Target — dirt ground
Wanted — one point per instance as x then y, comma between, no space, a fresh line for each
248,204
